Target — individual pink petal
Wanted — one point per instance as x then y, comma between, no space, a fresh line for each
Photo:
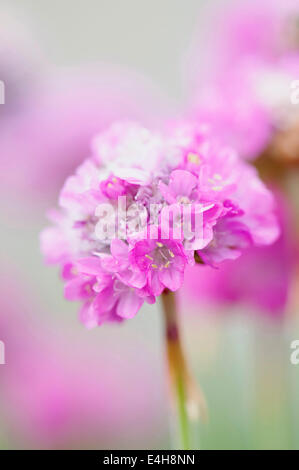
77,289
182,182
137,279
88,316
110,264
166,193
90,265
155,286
119,249
171,278
104,301
129,303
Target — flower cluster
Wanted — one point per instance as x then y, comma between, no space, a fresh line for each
186,199
246,93
246,96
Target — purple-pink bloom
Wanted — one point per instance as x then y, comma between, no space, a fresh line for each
182,187
241,88
196,198
56,118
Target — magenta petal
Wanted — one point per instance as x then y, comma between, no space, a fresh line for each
150,299
156,287
77,289
91,266
104,301
119,249
129,304
103,280
171,278
201,241
110,264
166,193
88,315
182,182
138,279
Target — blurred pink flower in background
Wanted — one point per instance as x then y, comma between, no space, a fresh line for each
41,144
61,392
241,82
252,28
51,113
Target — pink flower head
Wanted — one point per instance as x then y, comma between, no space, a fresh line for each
245,95
139,211
57,118
182,187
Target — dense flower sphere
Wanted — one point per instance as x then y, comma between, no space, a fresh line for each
143,207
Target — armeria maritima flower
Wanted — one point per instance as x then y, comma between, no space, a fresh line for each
185,199
242,80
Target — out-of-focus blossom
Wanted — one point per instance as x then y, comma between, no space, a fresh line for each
42,143
260,278
58,396
243,90
185,177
